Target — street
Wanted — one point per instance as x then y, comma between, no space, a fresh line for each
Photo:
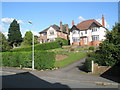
70,76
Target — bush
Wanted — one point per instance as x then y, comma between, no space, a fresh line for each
88,65
62,42
91,48
44,46
43,59
72,49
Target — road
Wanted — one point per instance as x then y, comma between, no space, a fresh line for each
70,76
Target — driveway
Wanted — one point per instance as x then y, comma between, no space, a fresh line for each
70,76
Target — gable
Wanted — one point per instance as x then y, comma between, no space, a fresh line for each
74,28
94,25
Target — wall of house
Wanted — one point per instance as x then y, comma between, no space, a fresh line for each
62,35
100,31
74,35
49,36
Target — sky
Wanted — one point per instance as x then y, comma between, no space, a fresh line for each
44,14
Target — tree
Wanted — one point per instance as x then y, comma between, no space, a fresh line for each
3,43
27,39
35,40
109,51
110,48
14,34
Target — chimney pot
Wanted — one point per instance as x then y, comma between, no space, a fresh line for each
103,21
67,28
72,22
60,25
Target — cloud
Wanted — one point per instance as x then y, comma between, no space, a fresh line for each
106,23
2,27
20,21
35,33
6,34
9,20
81,18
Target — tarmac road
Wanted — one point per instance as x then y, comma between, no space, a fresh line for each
70,76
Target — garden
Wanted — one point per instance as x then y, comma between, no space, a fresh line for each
44,56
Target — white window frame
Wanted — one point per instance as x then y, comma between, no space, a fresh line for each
95,37
51,32
94,29
76,39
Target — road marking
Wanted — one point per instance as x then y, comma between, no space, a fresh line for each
8,72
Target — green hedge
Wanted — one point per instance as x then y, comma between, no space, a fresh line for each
88,65
43,59
44,46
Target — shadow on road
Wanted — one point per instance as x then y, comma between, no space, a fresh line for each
81,67
113,73
28,80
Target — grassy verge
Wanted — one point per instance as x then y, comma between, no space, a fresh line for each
71,58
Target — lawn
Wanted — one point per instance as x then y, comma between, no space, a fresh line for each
72,57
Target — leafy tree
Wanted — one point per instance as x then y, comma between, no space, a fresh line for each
62,42
109,50
27,40
3,43
35,39
14,34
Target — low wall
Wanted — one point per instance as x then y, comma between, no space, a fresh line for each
99,69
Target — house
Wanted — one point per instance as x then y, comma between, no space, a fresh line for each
88,32
53,32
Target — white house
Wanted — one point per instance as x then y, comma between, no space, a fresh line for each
88,32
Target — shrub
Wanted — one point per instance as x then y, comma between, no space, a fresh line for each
88,65
91,48
72,49
44,46
43,59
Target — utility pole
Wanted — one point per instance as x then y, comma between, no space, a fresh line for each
32,47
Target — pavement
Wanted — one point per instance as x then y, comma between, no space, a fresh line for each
70,76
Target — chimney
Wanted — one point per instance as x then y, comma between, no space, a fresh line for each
72,22
103,21
60,25
67,28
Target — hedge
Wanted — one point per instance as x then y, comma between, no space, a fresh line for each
44,46
43,59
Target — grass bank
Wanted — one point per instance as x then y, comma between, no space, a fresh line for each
72,57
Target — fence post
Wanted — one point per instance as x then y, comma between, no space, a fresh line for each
92,68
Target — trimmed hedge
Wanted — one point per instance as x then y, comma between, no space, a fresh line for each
43,59
88,65
44,46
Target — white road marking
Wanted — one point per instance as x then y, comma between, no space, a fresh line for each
8,72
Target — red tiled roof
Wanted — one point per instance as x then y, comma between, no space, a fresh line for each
84,25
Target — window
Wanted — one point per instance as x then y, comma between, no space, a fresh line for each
86,32
81,33
94,29
76,39
95,38
75,32
51,40
44,34
51,32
